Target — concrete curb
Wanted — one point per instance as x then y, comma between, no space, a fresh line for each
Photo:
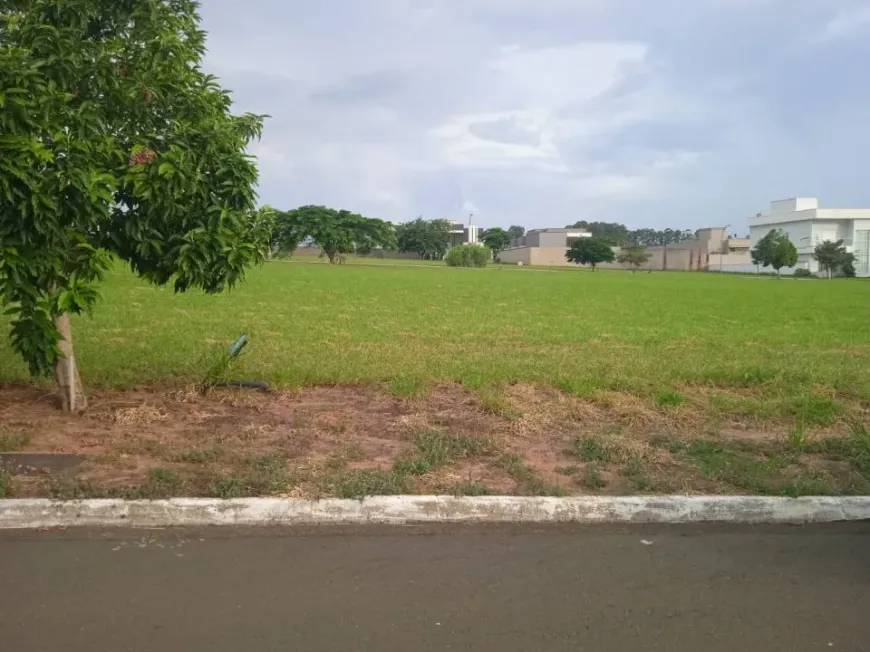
40,513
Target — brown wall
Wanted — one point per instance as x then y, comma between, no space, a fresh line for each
680,257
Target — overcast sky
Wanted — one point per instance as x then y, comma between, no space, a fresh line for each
680,113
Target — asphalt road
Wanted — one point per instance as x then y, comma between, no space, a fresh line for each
495,589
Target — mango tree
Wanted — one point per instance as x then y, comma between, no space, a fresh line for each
113,144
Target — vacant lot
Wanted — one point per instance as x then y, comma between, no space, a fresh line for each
435,379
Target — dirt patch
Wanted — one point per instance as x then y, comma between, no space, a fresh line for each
357,440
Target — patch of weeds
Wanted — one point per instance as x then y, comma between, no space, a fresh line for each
579,388
797,439
515,467
674,445
635,471
11,442
406,387
265,475
591,449
813,410
370,482
592,477
161,483
541,488
5,484
669,399
756,376
853,448
201,455
810,484
434,449
470,488
269,474
526,477
231,486
734,465
567,470
494,402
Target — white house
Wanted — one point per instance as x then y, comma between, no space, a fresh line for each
808,225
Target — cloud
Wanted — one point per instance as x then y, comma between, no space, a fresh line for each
847,23
542,112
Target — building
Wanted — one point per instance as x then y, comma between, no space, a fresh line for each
710,249
807,225
542,247
461,234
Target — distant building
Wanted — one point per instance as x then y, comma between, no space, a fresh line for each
542,246
710,249
461,234
807,225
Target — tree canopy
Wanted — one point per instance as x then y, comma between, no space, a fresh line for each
113,141
336,232
833,258
427,238
619,234
590,251
497,239
516,232
633,256
775,250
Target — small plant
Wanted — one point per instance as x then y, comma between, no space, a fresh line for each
670,398
468,255
802,272
11,442
638,477
814,410
370,482
592,477
201,455
591,449
163,478
404,386
5,484
540,488
797,438
470,488
494,402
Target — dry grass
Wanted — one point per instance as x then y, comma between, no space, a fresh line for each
352,440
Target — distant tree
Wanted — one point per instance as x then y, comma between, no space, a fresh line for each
634,256
114,143
590,251
614,232
516,232
833,258
653,237
336,232
775,250
497,239
427,238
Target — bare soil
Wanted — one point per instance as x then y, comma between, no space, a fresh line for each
346,440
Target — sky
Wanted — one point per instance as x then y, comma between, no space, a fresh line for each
653,113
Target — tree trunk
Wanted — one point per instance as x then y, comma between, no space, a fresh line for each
66,372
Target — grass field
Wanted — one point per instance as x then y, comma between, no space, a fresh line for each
312,324
574,382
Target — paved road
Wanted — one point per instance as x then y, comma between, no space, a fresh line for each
414,588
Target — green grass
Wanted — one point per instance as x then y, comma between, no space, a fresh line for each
11,442
484,327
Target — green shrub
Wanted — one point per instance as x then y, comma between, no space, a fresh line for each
800,272
468,255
